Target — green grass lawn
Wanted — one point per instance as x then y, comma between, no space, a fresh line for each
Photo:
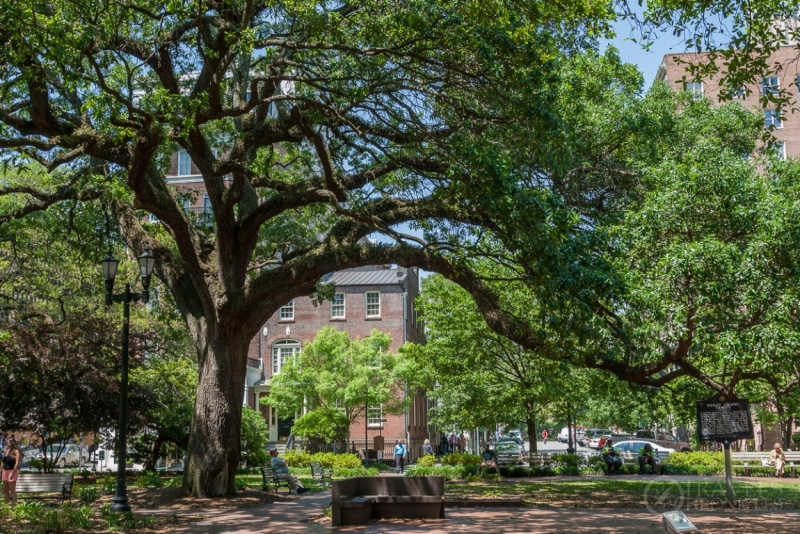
656,493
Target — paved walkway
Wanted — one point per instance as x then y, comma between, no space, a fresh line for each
291,517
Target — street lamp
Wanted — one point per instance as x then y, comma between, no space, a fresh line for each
146,263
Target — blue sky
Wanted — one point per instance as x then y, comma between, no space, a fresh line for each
647,61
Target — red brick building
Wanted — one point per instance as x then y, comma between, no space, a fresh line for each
378,297
785,127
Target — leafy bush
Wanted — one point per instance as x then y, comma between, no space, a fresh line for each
569,460
427,461
88,494
457,458
47,520
124,520
449,472
380,466
255,434
239,484
346,472
107,483
698,459
175,481
297,458
327,459
149,480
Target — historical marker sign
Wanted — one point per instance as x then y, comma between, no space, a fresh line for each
723,419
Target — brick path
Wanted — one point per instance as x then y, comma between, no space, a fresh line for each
289,518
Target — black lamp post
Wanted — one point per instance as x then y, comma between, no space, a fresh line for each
146,264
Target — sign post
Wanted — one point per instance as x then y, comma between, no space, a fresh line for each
724,419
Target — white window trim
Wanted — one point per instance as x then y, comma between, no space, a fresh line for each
692,91
277,361
772,89
288,306
780,149
367,304
370,423
343,305
776,122
179,173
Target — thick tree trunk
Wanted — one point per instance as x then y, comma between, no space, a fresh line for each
531,422
214,443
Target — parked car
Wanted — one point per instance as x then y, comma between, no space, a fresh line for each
596,440
663,439
592,436
509,453
563,436
629,449
70,454
29,452
510,439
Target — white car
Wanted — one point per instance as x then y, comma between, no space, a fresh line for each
563,436
629,449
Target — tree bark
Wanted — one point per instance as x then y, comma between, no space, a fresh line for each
215,440
150,464
531,422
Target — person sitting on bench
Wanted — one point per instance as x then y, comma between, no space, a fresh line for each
611,458
647,456
488,459
778,459
281,470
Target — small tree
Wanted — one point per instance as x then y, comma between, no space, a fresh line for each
255,434
332,381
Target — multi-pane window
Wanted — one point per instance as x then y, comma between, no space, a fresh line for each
337,306
772,119
694,88
375,415
206,202
282,351
373,303
737,92
287,311
770,85
184,163
779,147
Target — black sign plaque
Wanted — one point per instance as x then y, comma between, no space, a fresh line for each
720,418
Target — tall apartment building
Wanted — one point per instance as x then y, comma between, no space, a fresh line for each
786,75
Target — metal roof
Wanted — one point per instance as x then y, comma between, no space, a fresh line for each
378,277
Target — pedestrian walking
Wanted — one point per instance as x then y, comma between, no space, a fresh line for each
399,455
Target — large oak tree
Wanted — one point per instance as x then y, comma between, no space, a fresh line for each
313,125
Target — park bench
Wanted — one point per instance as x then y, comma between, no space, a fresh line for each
749,460
270,480
319,473
358,500
539,459
632,457
47,483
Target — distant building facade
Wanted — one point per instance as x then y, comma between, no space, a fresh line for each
370,298
785,125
